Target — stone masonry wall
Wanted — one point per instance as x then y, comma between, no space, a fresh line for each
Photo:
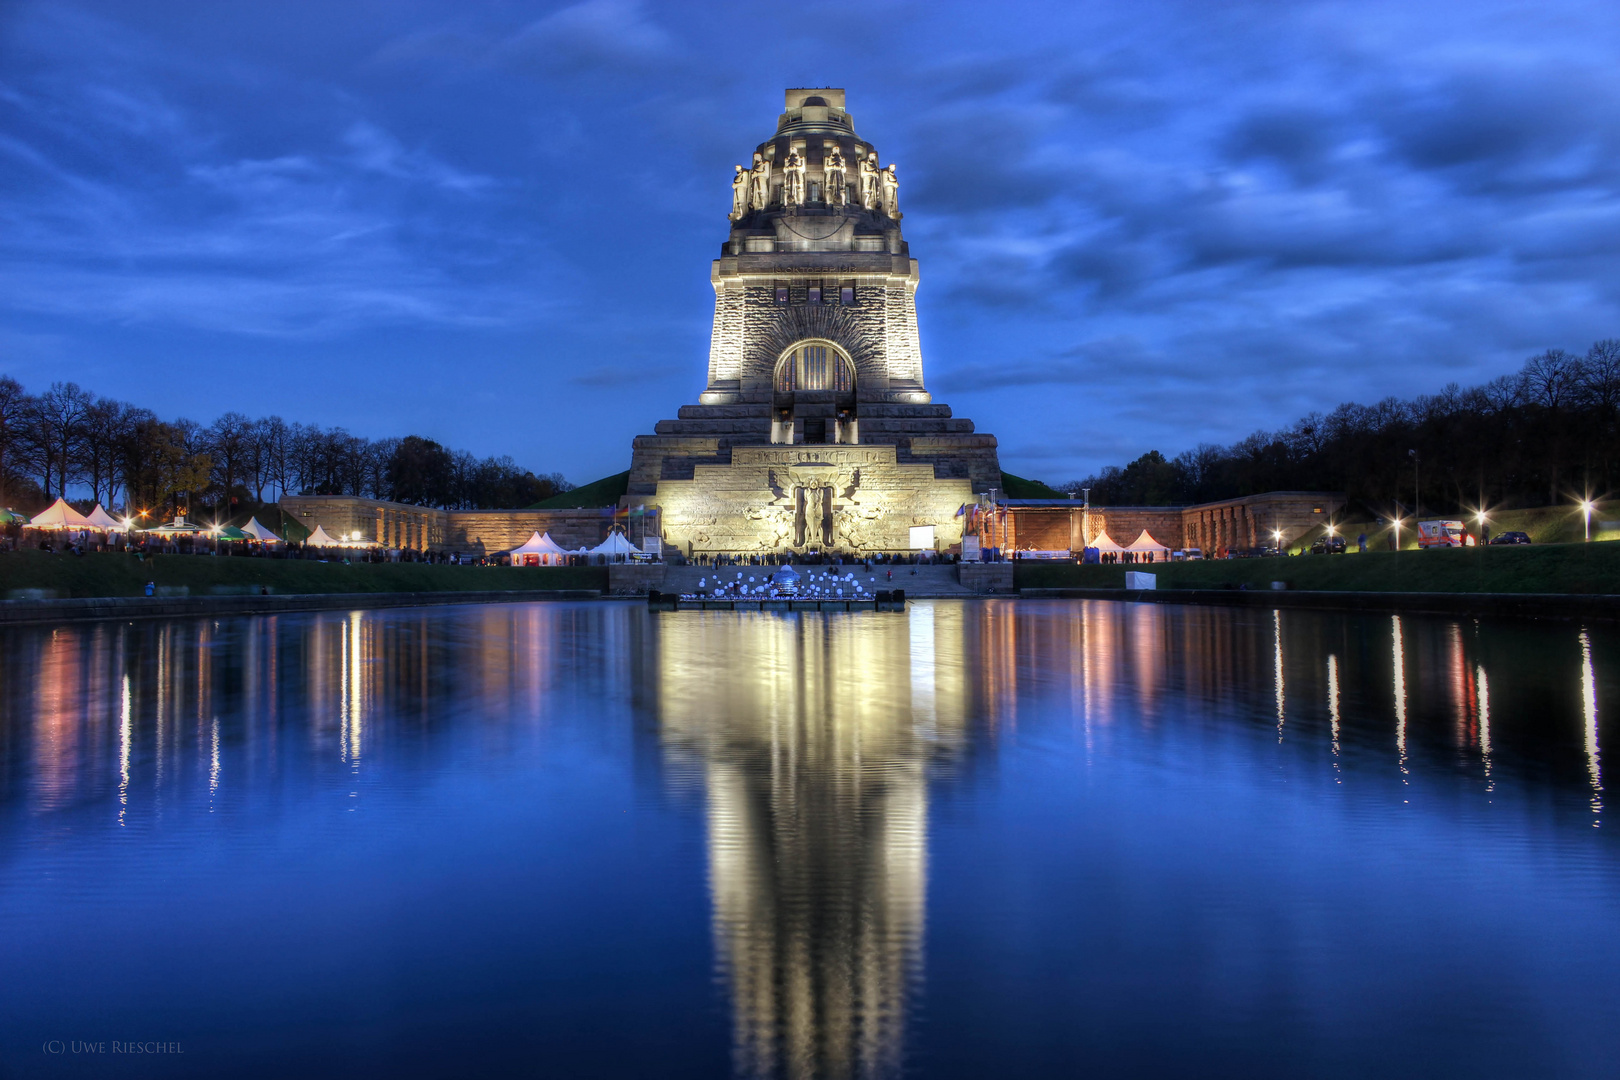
750,506
468,532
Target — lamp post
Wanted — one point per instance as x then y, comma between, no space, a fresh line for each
1479,519
1586,512
1417,485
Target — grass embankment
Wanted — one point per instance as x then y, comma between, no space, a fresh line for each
1555,568
604,492
110,574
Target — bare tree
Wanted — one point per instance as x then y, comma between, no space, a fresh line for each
59,424
1552,379
1601,376
229,443
104,428
15,408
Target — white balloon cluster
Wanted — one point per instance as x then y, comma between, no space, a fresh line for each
827,584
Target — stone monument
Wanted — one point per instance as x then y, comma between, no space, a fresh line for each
815,431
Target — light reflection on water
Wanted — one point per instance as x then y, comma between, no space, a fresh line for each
896,842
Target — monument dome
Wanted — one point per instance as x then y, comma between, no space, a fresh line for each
815,430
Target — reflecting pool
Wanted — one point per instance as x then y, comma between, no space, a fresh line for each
972,839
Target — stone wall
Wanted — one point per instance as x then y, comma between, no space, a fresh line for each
1252,521
753,505
467,532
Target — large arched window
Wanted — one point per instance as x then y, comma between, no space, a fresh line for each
815,365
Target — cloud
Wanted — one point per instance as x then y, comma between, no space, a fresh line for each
591,35
374,149
614,376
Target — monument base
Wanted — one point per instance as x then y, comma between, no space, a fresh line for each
850,499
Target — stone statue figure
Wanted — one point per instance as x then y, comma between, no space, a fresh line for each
759,192
837,187
739,193
870,193
793,179
890,184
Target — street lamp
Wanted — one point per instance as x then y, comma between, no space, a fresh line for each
1586,512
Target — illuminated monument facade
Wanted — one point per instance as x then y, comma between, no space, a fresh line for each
816,430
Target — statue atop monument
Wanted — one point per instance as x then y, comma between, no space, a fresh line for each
760,189
739,193
871,190
833,181
793,179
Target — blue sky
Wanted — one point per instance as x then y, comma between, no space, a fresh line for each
1141,225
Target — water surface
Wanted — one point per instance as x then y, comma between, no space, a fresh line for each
978,838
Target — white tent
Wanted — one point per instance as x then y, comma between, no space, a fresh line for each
543,549
60,516
1104,544
319,538
614,545
259,532
1146,543
100,519
540,545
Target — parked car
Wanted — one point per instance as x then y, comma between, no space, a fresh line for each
1328,545
1511,538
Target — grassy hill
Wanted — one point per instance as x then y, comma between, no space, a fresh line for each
604,492
1016,487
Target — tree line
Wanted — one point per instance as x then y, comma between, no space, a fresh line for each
67,440
1543,435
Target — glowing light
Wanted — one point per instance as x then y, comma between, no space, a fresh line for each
126,724
1594,769
1586,514
1333,704
1484,721
1276,627
1399,652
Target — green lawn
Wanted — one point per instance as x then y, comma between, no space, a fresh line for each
604,492
123,575
1551,568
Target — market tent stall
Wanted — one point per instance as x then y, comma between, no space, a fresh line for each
260,533
1105,544
60,516
320,538
1145,544
8,516
231,532
615,547
538,551
178,527
100,519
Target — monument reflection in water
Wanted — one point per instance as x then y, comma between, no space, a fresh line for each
816,761
991,834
